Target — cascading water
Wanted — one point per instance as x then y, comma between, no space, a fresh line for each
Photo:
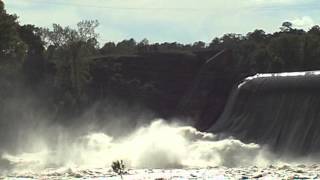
276,110
280,110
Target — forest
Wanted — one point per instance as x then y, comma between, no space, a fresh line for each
66,70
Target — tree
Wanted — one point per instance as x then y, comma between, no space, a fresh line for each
199,45
144,42
260,61
59,35
230,41
143,46
108,48
127,46
11,45
258,36
286,26
290,49
86,29
215,43
71,50
312,50
118,167
12,48
1,7
33,65
315,30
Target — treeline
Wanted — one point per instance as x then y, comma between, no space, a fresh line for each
67,67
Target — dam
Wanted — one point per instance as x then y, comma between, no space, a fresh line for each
280,110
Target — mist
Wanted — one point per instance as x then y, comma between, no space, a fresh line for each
29,126
155,145
34,139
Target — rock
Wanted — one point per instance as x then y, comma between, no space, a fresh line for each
25,177
314,166
284,167
77,175
258,176
192,175
301,166
272,167
298,171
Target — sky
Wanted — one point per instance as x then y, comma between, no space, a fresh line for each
183,21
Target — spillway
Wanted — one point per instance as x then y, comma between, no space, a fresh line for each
281,110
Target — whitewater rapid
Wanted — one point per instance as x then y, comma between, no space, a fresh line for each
158,145
211,173
158,150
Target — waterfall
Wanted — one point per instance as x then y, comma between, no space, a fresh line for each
281,110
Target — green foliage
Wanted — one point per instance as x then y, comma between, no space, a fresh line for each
86,30
33,65
11,45
63,59
289,48
118,167
286,26
70,50
12,48
108,48
127,46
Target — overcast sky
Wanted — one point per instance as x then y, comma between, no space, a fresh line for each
183,21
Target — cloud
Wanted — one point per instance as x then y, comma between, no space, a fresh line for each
276,1
304,22
283,2
184,21
43,14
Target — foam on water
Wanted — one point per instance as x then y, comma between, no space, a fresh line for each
158,145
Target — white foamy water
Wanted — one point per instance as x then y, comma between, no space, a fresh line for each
154,151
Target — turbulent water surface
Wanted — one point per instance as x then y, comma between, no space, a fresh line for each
269,130
159,150
281,110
